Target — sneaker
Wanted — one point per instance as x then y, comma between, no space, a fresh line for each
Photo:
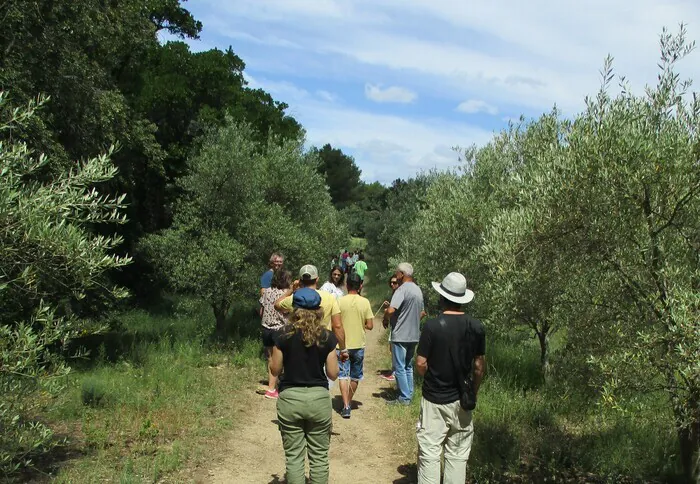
389,377
272,394
345,412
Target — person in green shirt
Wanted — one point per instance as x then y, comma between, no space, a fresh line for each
361,267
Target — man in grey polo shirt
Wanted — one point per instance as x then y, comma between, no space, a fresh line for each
404,314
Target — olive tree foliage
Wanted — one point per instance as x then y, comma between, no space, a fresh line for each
591,224
616,212
438,239
457,210
242,201
49,262
625,208
526,282
473,222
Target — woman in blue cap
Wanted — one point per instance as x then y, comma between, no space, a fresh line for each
304,410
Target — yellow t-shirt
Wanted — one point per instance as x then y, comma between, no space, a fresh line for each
355,310
329,304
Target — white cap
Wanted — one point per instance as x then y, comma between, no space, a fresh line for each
308,272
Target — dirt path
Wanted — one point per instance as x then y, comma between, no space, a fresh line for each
362,450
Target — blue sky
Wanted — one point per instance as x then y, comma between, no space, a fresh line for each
398,84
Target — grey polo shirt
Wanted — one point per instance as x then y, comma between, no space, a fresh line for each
408,303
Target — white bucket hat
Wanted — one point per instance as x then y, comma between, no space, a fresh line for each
454,288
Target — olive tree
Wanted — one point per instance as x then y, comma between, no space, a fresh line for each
622,208
50,260
243,200
527,280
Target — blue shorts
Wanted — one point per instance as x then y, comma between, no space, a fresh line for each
351,369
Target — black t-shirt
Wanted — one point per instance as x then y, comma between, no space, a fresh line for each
303,366
440,384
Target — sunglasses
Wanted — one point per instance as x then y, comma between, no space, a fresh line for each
394,282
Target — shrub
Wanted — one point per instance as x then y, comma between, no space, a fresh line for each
93,393
50,265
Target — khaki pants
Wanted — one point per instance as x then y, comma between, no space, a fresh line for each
443,428
305,416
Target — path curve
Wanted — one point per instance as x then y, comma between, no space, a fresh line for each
363,448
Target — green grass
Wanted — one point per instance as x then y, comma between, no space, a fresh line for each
357,243
523,425
157,401
527,430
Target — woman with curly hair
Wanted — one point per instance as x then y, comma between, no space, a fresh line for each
304,411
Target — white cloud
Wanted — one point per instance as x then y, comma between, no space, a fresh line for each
327,96
392,94
473,106
385,146
529,55
281,90
266,40
521,57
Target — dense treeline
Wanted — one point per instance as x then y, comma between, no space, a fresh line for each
112,82
360,202
588,228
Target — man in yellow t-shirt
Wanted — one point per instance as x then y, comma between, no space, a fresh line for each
308,277
357,317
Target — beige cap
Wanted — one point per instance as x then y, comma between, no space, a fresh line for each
308,272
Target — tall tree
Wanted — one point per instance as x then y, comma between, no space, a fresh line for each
341,173
623,209
594,225
112,82
243,201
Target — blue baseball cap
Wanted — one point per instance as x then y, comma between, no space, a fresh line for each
306,298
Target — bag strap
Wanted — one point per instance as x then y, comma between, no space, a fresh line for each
457,367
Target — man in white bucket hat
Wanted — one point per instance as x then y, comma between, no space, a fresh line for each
451,348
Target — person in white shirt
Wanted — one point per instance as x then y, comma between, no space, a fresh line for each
335,283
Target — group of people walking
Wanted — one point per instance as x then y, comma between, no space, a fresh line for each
313,336
350,261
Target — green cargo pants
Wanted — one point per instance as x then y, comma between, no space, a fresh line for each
305,416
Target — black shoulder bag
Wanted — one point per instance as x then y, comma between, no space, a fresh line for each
467,396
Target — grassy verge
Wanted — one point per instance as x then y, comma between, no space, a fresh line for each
529,431
357,243
155,406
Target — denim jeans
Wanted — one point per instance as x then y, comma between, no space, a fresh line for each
402,359
352,368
